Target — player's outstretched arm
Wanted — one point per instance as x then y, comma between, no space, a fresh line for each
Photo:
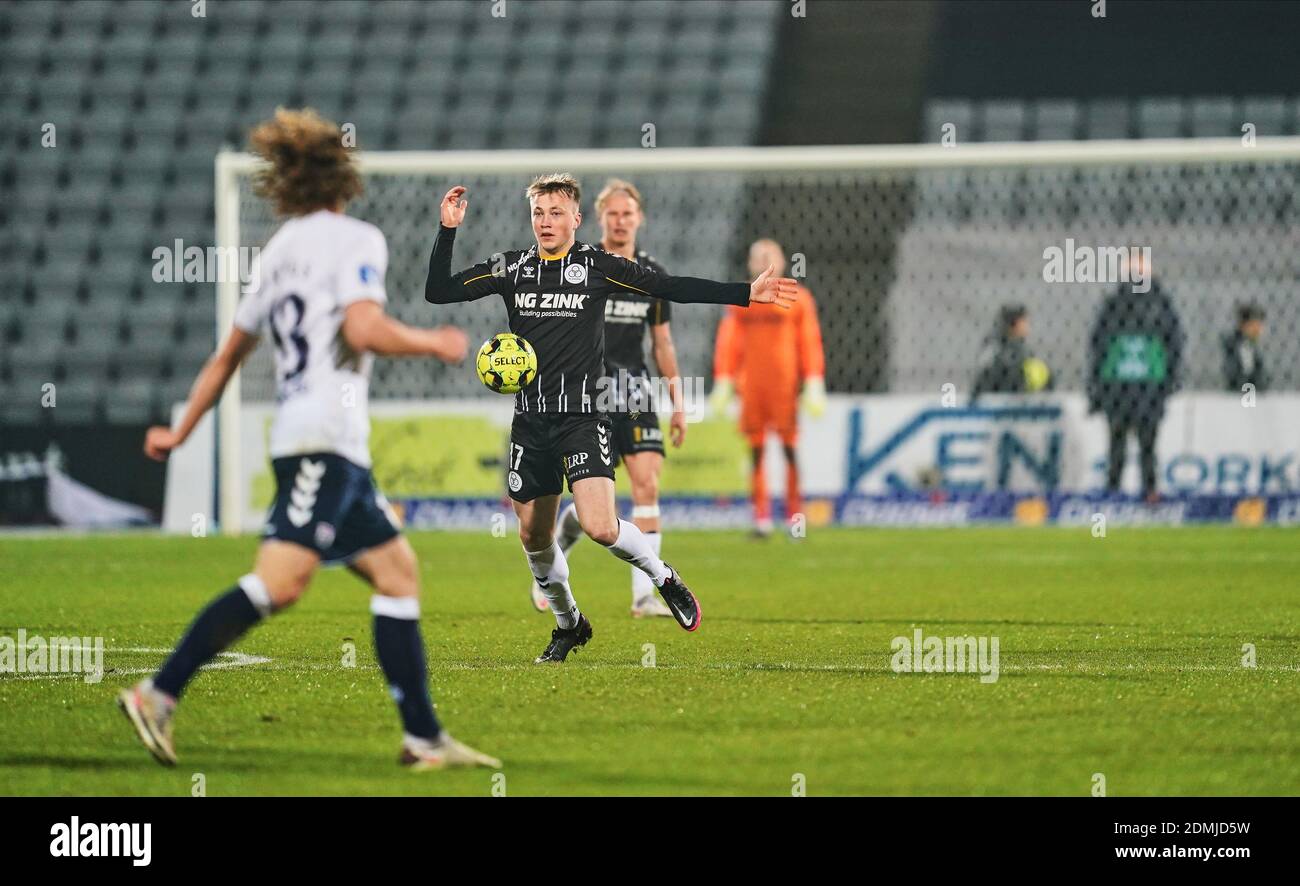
211,381
442,287
367,328
780,291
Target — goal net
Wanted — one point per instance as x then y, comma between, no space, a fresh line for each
911,252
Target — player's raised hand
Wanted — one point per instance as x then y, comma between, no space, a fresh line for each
159,441
453,206
450,344
779,291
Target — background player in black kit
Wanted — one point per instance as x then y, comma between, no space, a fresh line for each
638,437
555,293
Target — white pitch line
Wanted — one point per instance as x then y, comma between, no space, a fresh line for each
883,670
239,659
228,660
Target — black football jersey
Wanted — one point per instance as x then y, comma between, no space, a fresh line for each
628,315
559,306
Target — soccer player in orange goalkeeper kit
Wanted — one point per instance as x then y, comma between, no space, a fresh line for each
773,360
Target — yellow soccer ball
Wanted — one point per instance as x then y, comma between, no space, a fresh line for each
506,363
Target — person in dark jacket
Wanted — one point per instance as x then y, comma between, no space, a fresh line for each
1007,366
1135,357
1243,364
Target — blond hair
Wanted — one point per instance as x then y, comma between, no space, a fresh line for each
555,183
309,168
612,187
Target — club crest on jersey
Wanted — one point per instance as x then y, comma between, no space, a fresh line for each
516,482
575,274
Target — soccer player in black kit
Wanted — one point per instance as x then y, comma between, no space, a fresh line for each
638,437
555,294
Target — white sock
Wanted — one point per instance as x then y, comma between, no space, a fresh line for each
633,546
551,571
568,530
642,586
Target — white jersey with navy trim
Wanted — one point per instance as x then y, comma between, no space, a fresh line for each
303,281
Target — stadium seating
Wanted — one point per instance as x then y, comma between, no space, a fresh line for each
1149,117
143,94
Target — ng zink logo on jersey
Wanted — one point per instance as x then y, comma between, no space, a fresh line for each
78,839
624,311
551,301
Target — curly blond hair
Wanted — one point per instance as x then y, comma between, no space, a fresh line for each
308,166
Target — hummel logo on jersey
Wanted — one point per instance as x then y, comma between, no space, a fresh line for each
555,300
604,445
528,271
305,486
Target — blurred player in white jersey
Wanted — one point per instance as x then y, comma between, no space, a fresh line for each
318,290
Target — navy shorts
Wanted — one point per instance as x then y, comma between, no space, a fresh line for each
328,504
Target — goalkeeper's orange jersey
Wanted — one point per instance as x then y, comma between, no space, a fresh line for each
768,351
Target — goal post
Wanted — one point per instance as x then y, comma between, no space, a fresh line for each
909,249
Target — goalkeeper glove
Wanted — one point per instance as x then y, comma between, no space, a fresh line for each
813,399
721,396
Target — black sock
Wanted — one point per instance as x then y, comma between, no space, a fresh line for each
217,627
401,655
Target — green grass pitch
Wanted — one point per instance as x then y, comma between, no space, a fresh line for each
1119,655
